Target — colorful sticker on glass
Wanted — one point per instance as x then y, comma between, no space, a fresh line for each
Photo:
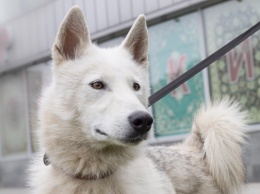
174,47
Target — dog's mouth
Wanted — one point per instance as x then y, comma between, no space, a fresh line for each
101,132
132,140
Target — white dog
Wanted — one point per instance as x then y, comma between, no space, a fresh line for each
94,120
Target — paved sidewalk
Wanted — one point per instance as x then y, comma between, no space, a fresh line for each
252,188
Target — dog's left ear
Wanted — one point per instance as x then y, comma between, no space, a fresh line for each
136,41
72,38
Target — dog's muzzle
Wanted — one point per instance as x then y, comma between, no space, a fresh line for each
140,122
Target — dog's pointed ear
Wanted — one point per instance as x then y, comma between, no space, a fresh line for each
72,38
136,40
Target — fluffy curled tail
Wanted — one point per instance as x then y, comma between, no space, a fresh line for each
219,130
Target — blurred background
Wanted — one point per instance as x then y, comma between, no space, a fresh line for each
181,34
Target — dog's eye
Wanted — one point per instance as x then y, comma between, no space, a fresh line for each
98,85
136,86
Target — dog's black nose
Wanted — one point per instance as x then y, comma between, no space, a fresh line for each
141,121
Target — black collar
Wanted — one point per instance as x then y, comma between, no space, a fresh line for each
80,176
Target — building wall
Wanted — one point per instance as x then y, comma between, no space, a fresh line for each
33,32
183,28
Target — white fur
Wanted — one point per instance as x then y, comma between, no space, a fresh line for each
71,111
221,127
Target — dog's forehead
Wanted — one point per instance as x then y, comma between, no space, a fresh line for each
113,61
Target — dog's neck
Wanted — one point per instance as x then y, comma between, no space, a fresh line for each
87,164
79,175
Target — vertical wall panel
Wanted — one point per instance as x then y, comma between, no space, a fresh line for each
113,12
22,38
81,4
15,37
50,25
67,5
165,3
91,15
13,48
34,44
151,5
125,10
42,31
138,7
22,30
59,13
101,14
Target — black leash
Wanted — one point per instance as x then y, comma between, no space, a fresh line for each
203,64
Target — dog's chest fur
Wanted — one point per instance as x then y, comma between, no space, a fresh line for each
139,176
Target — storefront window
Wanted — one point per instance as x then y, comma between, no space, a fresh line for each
174,47
237,74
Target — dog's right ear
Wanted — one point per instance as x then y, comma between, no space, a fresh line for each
72,38
136,41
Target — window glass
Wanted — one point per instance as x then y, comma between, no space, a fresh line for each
13,114
174,47
38,77
237,74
